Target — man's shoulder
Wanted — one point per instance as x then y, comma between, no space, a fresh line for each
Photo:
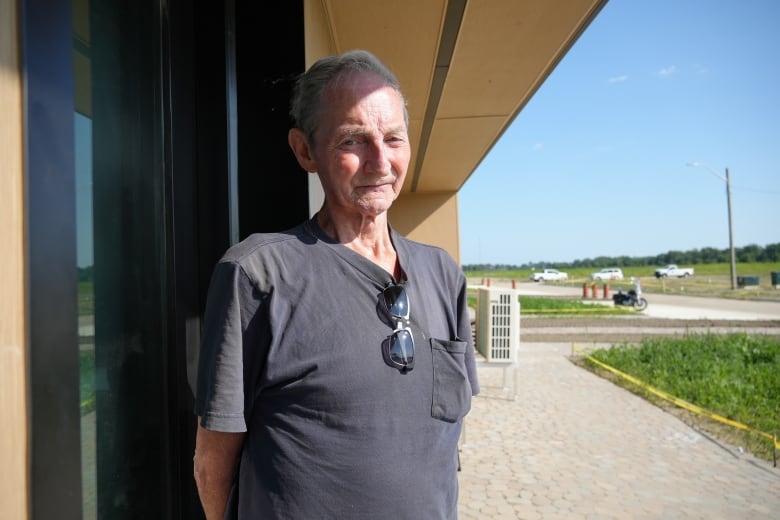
267,243
432,262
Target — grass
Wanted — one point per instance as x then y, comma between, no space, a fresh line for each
736,376
542,305
551,306
762,269
86,298
562,306
87,381
709,280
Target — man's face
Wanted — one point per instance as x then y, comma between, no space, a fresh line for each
361,146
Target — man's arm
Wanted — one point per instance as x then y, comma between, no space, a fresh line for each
215,463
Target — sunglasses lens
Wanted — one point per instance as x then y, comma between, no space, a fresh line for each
402,348
396,301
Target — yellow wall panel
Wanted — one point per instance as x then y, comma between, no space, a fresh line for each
13,401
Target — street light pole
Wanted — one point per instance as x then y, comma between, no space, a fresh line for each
727,180
731,234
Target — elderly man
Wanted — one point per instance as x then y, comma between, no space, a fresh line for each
337,363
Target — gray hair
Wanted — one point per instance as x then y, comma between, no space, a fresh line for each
309,88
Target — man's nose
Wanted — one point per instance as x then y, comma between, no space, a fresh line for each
378,157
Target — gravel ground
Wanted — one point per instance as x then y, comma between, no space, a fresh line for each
612,329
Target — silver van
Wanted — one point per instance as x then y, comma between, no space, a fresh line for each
610,273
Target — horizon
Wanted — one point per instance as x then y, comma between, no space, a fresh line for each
543,264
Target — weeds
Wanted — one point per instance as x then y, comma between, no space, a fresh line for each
736,376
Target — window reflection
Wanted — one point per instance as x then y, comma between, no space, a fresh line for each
86,309
120,237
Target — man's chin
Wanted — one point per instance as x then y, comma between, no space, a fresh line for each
374,206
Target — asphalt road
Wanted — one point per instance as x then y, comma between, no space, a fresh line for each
670,306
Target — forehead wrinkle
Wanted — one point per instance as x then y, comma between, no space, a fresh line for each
365,119
359,128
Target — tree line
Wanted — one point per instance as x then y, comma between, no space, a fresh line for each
708,255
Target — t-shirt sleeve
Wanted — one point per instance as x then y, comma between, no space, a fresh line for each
219,398
465,333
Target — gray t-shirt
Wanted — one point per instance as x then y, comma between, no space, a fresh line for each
292,354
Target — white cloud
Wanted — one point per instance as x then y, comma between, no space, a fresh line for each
667,71
618,79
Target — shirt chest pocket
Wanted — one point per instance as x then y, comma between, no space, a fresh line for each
451,389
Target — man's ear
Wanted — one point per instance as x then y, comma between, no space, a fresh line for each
300,147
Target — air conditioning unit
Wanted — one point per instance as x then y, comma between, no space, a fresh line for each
498,324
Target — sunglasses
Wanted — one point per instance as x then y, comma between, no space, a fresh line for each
400,345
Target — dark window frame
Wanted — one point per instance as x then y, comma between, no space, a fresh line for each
53,368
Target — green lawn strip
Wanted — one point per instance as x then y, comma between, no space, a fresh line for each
87,381
542,305
702,271
736,376
561,306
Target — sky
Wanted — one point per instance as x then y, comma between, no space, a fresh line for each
596,164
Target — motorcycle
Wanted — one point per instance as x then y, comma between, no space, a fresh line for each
632,298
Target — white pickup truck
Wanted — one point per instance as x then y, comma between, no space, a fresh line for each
672,271
549,275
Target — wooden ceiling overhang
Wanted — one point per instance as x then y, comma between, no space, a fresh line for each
467,68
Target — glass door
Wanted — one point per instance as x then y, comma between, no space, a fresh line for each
121,259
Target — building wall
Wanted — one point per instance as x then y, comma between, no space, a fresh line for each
429,218
13,381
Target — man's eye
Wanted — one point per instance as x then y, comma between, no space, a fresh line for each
350,141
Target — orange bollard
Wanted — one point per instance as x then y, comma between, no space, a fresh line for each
606,291
514,284
585,290
488,282
595,290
